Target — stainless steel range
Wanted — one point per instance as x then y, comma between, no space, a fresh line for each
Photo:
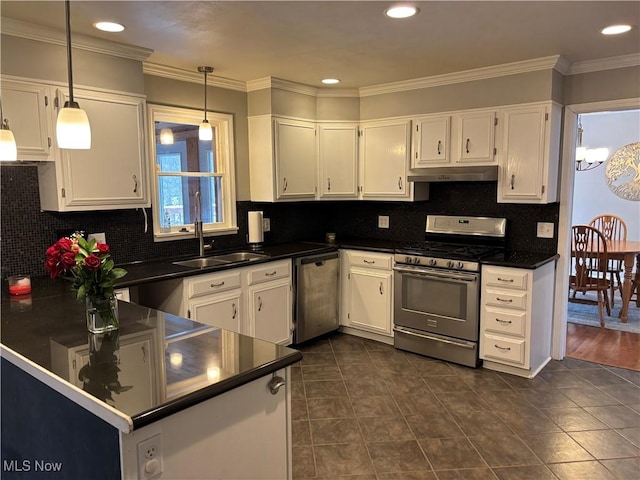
437,287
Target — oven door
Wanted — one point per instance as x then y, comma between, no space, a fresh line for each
437,301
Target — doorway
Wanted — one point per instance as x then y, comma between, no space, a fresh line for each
577,188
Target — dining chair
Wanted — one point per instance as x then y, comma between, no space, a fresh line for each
612,227
588,264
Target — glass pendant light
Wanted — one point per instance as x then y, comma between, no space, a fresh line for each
73,130
166,136
8,147
205,132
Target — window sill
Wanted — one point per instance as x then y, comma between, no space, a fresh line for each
167,237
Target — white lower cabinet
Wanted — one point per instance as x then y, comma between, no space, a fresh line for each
255,301
367,291
515,318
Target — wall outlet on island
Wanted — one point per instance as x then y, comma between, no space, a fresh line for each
98,237
545,230
150,457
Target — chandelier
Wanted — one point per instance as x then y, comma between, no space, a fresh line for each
588,158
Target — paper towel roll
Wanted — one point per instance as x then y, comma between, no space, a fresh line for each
256,233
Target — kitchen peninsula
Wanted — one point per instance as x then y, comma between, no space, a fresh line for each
206,399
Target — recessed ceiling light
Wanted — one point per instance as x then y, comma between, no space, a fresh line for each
615,29
109,26
401,11
330,81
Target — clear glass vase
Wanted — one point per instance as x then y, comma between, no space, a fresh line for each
102,314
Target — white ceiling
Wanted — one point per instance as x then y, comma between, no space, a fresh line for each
304,41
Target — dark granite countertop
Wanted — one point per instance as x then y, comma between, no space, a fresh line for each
169,362
521,259
164,269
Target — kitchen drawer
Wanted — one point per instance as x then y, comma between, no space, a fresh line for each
371,260
505,279
502,349
214,283
500,321
270,271
505,299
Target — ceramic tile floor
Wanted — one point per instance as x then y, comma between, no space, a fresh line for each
365,411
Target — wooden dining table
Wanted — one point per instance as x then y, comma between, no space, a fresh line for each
629,252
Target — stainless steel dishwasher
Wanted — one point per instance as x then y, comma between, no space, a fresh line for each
316,301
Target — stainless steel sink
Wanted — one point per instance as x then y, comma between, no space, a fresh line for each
224,259
202,262
240,256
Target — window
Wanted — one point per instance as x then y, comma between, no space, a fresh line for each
184,166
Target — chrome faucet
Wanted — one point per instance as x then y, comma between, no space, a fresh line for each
197,227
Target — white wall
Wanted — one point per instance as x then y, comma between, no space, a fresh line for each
591,193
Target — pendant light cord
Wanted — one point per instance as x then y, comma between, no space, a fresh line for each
205,95
67,8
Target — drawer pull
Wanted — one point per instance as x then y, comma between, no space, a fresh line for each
270,274
370,262
506,322
505,300
217,285
504,349
508,280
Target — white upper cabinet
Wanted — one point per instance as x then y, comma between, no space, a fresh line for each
476,136
282,159
384,160
110,175
431,141
28,108
530,154
338,161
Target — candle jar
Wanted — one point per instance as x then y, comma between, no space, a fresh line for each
19,284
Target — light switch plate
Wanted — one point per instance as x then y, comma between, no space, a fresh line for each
266,224
545,230
383,221
98,237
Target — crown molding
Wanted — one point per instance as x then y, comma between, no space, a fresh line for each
18,28
464,76
183,75
610,63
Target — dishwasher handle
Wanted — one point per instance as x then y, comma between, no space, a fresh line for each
317,259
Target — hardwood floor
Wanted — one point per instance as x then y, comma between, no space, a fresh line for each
604,346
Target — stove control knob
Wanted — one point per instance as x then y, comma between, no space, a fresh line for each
460,265
450,264
433,262
408,259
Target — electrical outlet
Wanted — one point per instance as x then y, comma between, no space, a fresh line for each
150,458
383,221
266,224
98,237
545,230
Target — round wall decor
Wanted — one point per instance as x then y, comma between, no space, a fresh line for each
623,172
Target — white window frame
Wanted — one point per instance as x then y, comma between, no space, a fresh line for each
222,123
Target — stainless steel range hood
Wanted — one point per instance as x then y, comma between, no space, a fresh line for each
455,174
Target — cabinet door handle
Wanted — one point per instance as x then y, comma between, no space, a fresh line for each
284,185
504,349
329,184
467,145
217,285
439,145
259,304
505,322
275,383
270,274
508,280
135,184
234,309
399,183
505,300
513,181
381,290
144,353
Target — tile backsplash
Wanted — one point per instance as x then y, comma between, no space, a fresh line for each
26,231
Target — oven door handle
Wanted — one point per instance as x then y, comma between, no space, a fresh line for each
432,273
460,343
